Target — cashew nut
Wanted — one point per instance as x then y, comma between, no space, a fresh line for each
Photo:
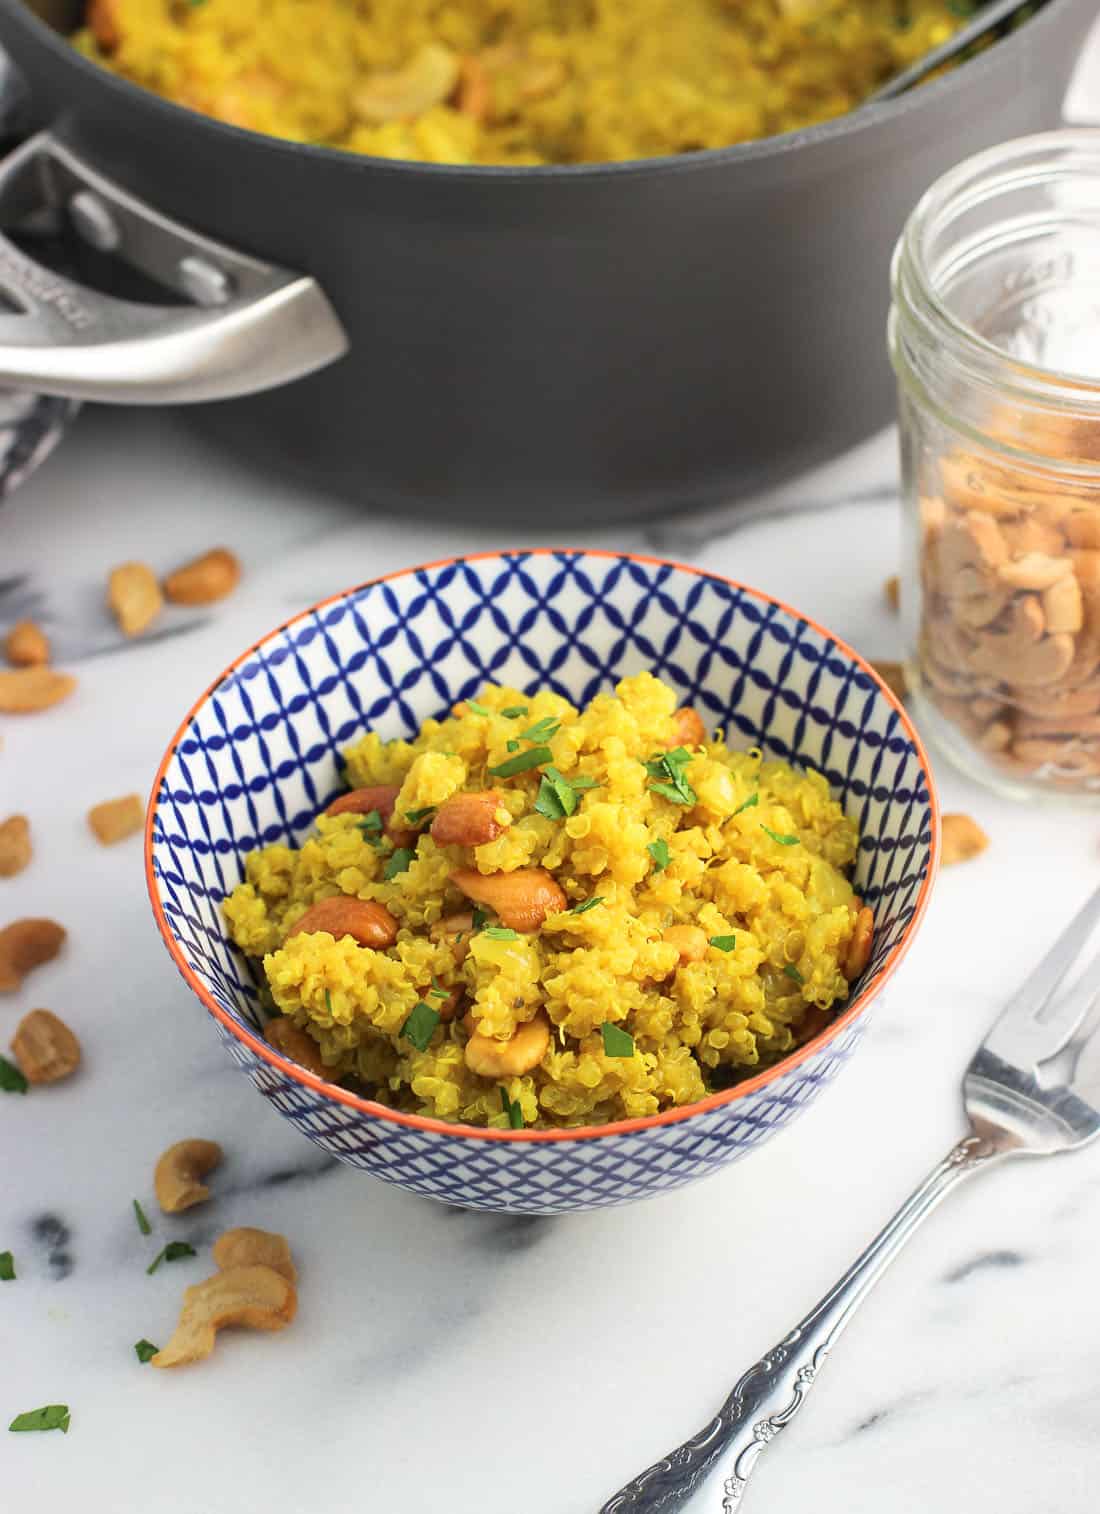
370,923
1036,571
24,945
179,1171
963,838
893,676
687,728
689,941
525,1049
1063,607
429,77
45,1048
470,819
115,819
23,691
297,1044
858,954
891,592
522,899
257,1297
1022,654
248,1247
15,845
380,797
26,645
456,931
205,579
134,597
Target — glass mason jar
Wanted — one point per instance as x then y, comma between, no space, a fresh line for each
995,340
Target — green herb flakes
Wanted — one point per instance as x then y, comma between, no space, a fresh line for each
398,863
672,766
51,1417
437,991
371,822
750,803
145,1351
414,817
7,1267
777,838
175,1251
513,746
542,730
723,943
420,1026
479,916
11,1079
512,1109
500,933
142,1223
328,1003
514,711
792,972
534,757
658,850
477,709
616,1041
583,908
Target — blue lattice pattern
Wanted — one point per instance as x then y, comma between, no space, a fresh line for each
260,756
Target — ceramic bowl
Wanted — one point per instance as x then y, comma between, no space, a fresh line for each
257,758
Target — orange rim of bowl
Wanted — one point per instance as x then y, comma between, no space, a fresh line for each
260,1048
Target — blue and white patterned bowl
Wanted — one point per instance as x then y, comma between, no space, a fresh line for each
257,758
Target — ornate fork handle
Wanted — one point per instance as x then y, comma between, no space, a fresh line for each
770,1393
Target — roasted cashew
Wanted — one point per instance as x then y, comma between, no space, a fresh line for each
178,1173
525,1049
470,819
367,921
248,1247
689,941
258,1297
522,899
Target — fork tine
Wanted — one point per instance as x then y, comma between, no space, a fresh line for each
1030,1024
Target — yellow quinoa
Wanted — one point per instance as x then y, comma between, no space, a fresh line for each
751,854
516,81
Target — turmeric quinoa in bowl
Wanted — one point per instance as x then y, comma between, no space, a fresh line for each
534,915
516,82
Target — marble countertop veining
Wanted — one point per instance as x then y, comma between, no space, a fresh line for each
458,1363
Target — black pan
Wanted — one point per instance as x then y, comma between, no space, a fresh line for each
581,344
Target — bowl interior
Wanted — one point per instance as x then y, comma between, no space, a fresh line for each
258,757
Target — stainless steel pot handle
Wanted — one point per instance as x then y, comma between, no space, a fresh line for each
248,325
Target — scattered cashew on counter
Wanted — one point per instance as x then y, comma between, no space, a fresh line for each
177,1178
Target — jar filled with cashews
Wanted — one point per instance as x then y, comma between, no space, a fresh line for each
995,340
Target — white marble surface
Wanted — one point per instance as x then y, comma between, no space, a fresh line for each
458,1362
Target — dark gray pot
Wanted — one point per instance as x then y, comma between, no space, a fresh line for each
566,345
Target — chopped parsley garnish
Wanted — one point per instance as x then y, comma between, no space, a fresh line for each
420,1026
7,1267
50,1417
724,943
750,803
480,916
559,796
437,991
142,1223
478,709
777,838
512,1109
175,1251
542,730
658,850
11,1079
145,1351
616,1041
673,767
582,909
328,1002
500,933
398,862
534,757
371,821
514,711
414,817
792,972
513,746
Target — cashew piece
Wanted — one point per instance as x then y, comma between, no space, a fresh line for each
469,819
525,1049
115,819
134,597
963,839
204,580
1063,607
258,1297
370,923
45,1048
687,728
26,645
178,1173
858,954
380,797
297,1044
24,691
893,676
522,898
248,1247
15,845
689,941
456,931
426,80
1036,571
25,945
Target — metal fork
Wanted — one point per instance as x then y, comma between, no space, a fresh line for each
1026,1094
